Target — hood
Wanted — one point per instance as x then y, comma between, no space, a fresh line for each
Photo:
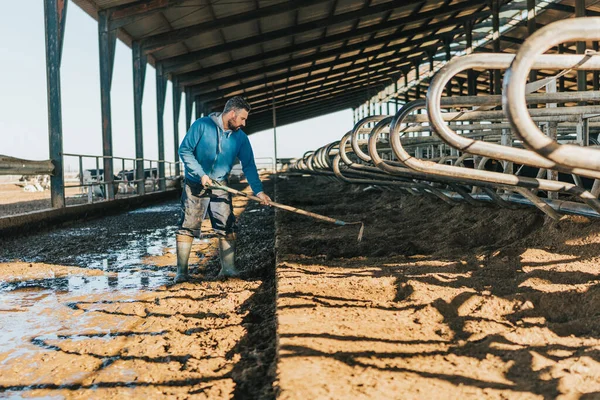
216,117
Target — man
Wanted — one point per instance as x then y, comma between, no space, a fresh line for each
208,152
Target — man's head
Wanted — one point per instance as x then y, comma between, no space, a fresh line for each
235,113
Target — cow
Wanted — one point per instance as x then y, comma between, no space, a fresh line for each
34,183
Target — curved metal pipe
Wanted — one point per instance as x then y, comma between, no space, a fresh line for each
404,185
555,114
475,176
318,160
493,150
379,162
393,167
513,99
355,166
406,172
342,147
327,152
356,131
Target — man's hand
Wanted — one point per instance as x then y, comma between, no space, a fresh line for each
206,181
265,200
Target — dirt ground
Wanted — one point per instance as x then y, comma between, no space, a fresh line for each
14,200
436,301
89,311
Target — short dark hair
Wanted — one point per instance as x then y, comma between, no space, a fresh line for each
236,103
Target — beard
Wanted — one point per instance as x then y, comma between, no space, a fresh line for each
231,126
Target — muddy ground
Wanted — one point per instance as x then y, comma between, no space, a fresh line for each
436,301
89,311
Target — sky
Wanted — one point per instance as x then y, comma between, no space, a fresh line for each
23,98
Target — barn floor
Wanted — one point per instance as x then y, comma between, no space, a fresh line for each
89,311
435,302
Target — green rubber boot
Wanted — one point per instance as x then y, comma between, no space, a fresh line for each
184,247
227,256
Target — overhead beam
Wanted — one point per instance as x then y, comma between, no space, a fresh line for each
158,41
432,48
570,9
174,63
263,121
288,115
128,13
340,77
376,83
278,34
308,103
215,83
409,54
340,95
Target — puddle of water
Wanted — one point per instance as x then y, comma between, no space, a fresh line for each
152,244
28,311
156,209
12,395
80,284
36,314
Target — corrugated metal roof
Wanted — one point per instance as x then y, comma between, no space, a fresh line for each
314,56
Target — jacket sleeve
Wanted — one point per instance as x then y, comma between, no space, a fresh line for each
246,156
187,148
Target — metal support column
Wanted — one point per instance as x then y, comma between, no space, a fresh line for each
596,74
561,80
406,95
107,40
55,15
274,138
552,132
199,107
430,56
496,36
471,80
461,85
448,54
582,127
416,64
176,112
139,79
531,25
189,104
396,96
161,94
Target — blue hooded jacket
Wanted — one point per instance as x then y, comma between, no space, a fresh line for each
207,149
